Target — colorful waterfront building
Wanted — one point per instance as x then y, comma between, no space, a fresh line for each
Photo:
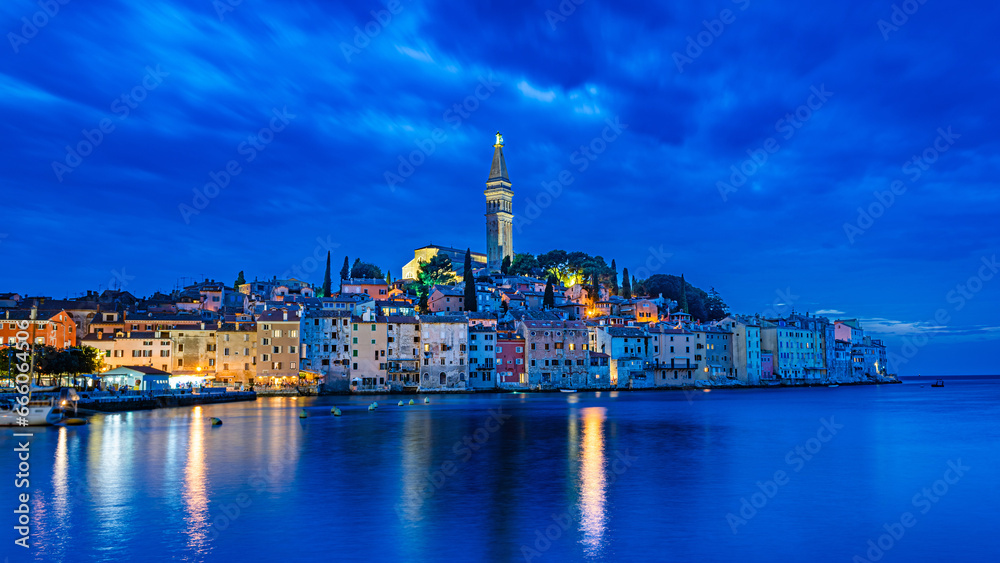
510,367
556,352
482,357
445,352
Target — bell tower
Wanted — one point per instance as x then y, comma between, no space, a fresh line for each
499,211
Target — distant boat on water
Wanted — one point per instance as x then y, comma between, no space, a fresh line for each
568,390
938,383
834,385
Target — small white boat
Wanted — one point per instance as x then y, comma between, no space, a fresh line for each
568,390
41,412
834,385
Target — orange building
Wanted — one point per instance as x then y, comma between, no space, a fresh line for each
50,328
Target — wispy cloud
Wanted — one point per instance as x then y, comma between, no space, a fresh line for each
531,92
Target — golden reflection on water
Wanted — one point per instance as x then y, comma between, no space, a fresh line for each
593,480
194,495
60,486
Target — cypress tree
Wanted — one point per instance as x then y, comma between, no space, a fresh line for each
626,285
240,280
684,299
549,301
327,290
470,284
346,270
614,277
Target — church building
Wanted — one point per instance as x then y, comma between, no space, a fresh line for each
499,225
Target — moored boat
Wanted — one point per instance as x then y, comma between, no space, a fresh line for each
568,390
40,412
938,383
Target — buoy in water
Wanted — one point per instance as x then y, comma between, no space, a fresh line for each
371,407
401,403
427,400
375,404
216,421
80,421
303,414
336,411
411,401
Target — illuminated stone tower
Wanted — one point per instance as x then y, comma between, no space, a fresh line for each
499,211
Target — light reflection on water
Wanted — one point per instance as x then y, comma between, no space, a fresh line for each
593,479
195,498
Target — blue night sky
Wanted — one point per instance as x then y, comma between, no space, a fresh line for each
650,127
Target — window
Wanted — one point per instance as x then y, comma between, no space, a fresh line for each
180,363
211,361
265,357
180,347
355,354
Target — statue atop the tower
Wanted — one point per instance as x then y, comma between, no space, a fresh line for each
499,142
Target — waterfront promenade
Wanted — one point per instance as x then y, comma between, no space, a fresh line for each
109,401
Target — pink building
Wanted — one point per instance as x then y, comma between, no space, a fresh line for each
767,365
510,359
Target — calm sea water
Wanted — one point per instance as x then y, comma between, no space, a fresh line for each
659,476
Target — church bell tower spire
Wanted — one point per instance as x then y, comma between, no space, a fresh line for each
499,210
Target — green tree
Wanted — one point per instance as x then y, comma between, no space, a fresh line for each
345,271
470,284
698,303
595,287
614,277
505,265
626,285
327,282
715,307
549,301
240,280
438,270
523,265
364,270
